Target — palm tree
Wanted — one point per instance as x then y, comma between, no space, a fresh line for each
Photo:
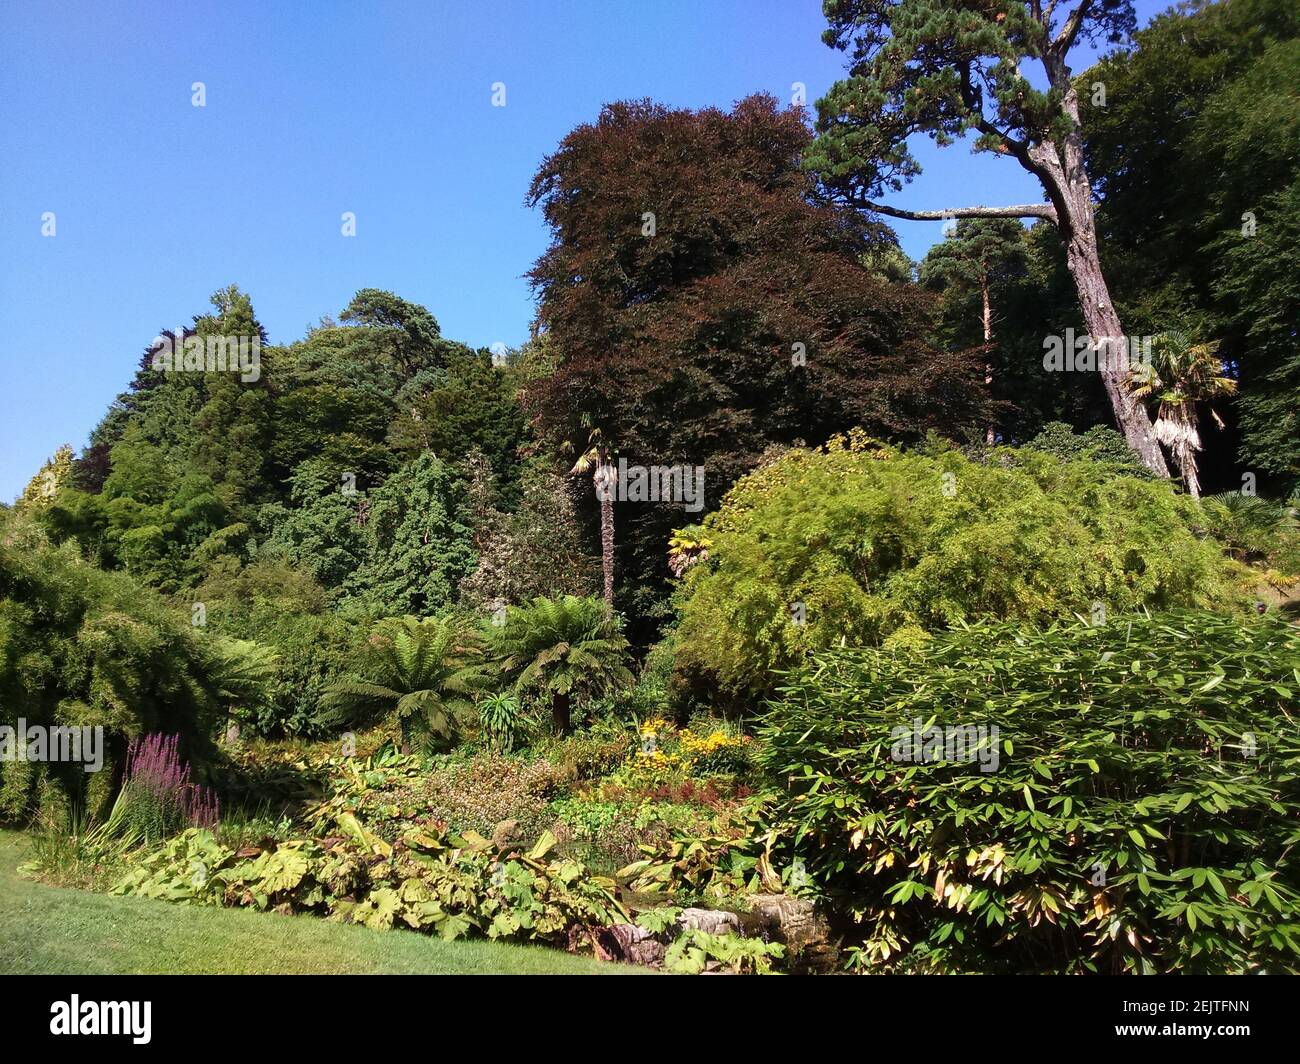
561,648
1179,375
597,458
425,673
687,546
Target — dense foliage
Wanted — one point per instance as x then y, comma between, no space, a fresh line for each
80,647
863,544
1140,815
1209,91
385,539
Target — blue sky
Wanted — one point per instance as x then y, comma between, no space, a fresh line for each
314,109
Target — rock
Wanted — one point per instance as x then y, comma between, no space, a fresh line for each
798,923
504,833
631,944
710,921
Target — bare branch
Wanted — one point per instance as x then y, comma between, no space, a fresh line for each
1021,210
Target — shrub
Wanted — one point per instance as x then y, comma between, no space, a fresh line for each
562,650
861,544
502,721
283,609
1098,444
421,674
1257,531
1141,816
589,754
83,647
449,887
478,794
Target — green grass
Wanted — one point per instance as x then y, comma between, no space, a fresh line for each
51,930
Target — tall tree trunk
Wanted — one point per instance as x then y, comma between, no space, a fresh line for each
1059,166
605,493
1183,418
1104,327
990,436
1191,476
561,713
1066,180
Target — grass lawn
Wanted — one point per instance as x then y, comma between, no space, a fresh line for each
50,930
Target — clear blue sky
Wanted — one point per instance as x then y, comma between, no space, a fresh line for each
313,109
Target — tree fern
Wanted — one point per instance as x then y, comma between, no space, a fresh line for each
560,648
422,674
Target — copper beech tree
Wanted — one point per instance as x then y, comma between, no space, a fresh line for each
705,305
951,67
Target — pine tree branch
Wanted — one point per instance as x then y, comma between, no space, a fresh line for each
1065,39
1021,210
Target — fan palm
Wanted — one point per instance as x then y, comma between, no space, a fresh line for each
423,673
1179,375
562,647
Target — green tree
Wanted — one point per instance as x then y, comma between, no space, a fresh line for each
949,67
421,674
1209,90
323,533
979,253
53,475
230,434
560,649
411,329
468,405
1259,289
418,541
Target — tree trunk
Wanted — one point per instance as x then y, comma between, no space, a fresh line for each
1059,166
1066,180
606,497
561,713
1191,476
990,437
1183,418
1112,349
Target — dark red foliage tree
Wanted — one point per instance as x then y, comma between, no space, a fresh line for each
705,305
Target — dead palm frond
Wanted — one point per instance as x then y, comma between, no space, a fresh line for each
1179,376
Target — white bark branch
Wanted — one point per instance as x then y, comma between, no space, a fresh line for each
1021,210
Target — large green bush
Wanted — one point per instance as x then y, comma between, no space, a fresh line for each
284,611
1141,812
84,647
866,545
